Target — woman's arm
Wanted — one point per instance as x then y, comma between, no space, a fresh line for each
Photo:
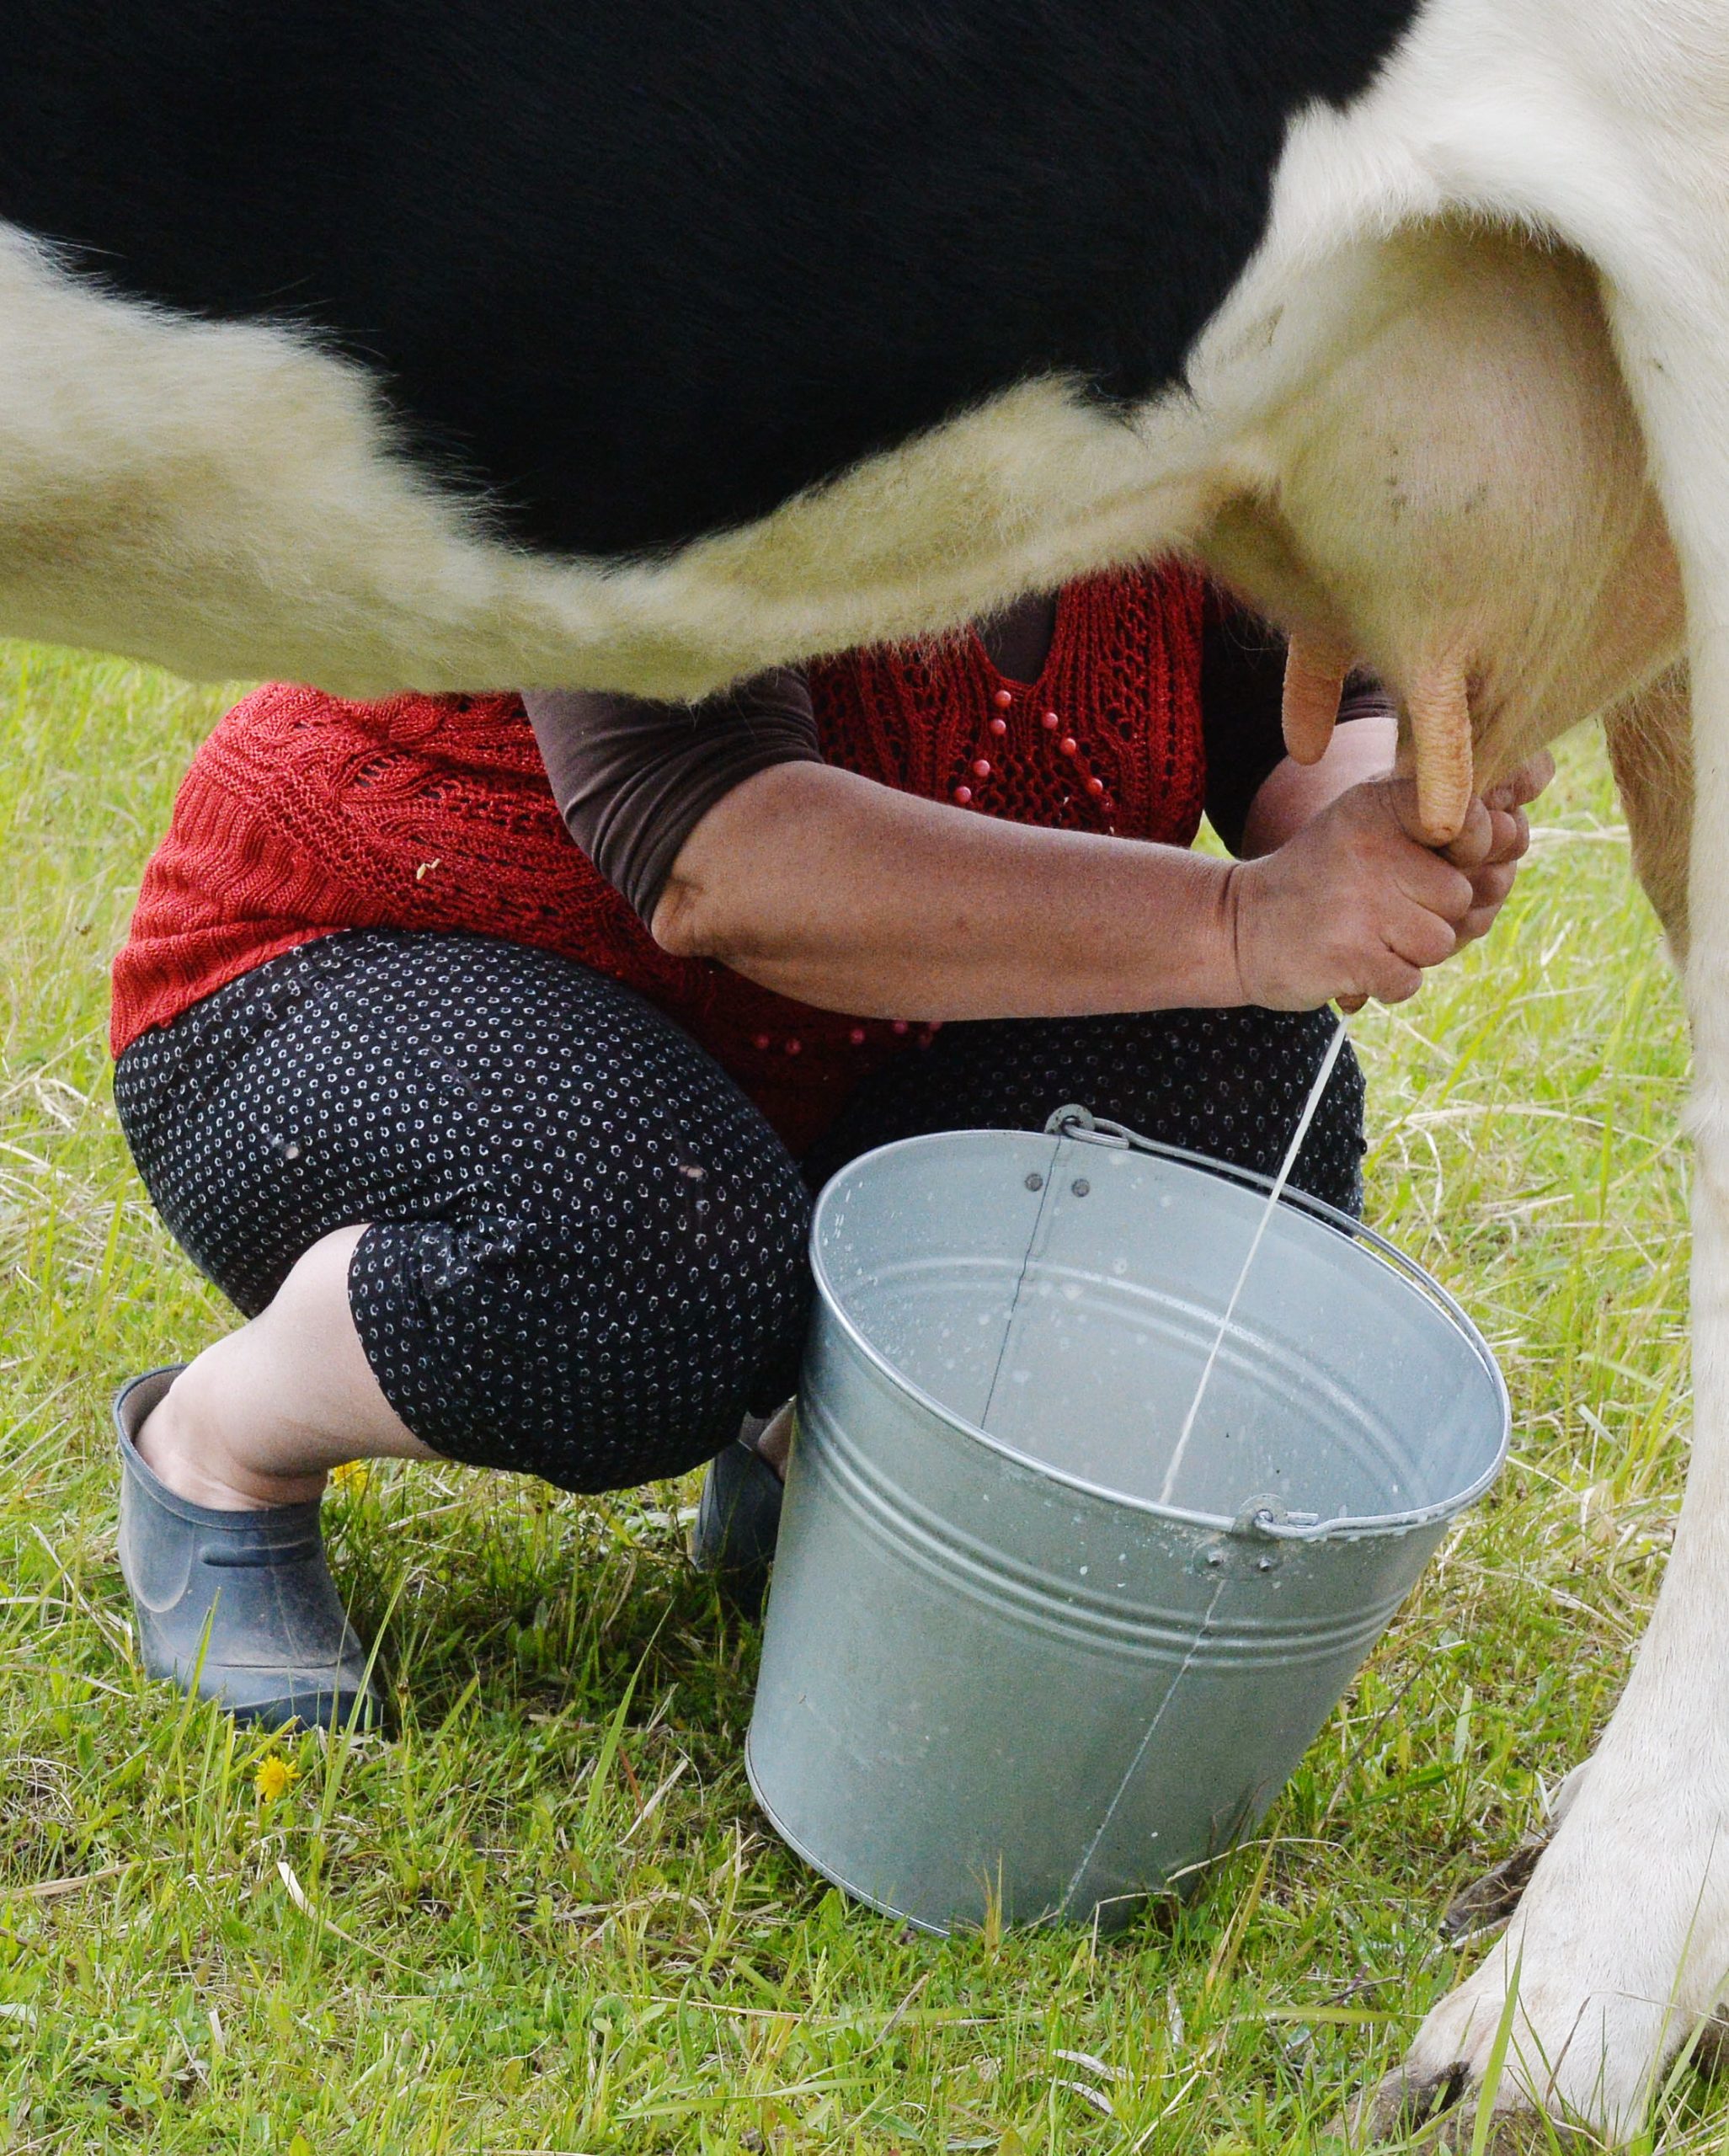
854,897
1294,794
737,843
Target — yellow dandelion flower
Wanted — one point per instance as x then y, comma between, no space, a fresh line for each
275,1777
351,1477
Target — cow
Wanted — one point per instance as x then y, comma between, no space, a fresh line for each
440,346
1510,576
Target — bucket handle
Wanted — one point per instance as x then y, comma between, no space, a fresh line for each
1261,1518
1082,1125
1265,1520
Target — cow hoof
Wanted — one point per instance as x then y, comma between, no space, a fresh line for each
1491,1900
1609,1968
1437,2113
1407,2105
1587,2054
1710,2050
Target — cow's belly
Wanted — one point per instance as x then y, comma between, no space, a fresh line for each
229,499
226,499
644,273
647,280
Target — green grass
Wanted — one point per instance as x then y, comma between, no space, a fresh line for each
474,1939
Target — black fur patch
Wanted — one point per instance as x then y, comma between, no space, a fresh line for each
643,267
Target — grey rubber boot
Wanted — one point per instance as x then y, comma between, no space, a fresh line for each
241,1603
739,1520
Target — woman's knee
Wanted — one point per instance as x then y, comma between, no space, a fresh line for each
1257,1070
598,1354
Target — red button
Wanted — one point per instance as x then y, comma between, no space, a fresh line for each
999,727
1003,697
1068,745
962,795
1050,721
857,1036
795,1048
900,1025
763,1041
981,769
1095,787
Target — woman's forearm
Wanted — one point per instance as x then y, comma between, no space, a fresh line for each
851,896
1294,794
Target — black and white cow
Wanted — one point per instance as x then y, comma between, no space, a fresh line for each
459,346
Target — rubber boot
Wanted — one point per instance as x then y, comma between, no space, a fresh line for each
239,1606
738,1521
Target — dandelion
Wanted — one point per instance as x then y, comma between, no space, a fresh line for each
275,1777
352,1477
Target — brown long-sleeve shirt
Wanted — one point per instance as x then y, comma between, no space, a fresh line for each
633,779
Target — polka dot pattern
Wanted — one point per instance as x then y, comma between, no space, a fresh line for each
586,1260
1229,1084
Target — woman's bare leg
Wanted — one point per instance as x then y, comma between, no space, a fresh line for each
261,1417
775,1445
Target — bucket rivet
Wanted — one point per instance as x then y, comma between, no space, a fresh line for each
1215,1557
1264,1564
1080,1186
1035,1181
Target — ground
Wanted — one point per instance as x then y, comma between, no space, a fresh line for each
548,1918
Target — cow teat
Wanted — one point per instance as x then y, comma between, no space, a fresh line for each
1313,681
1438,706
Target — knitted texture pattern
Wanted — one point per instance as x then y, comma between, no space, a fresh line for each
1107,739
303,815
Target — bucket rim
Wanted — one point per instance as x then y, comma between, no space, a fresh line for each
1262,1521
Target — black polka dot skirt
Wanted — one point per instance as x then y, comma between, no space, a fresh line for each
585,1249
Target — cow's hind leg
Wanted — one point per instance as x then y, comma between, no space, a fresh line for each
1618,1949
1650,740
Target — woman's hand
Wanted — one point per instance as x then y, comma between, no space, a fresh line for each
1510,840
1355,906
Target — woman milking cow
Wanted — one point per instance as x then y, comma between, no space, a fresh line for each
716,346
504,1134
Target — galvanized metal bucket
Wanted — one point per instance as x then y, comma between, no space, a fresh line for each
996,1668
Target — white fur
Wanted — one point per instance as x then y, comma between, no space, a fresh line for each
224,498
1605,124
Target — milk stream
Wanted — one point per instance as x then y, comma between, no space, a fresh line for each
1328,1061
1280,1181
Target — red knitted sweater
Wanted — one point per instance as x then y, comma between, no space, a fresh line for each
303,815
